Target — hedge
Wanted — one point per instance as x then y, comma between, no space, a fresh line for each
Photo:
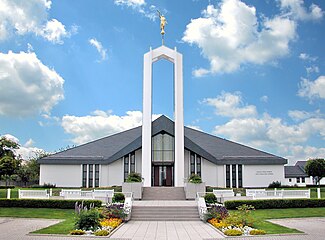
46,203
277,203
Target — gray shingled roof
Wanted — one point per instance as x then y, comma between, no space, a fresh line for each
293,172
212,148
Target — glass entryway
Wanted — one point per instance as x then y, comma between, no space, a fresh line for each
163,176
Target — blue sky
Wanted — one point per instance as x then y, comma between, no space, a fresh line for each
71,71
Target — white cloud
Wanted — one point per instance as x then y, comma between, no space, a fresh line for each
100,49
27,86
298,115
25,151
230,105
194,127
264,99
307,57
297,10
141,7
312,89
229,35
99,124
312,69
22,17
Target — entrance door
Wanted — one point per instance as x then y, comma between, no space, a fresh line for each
163,176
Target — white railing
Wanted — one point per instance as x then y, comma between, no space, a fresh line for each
128,204
33,194
105,195
251,192
202,208
281,194
223,193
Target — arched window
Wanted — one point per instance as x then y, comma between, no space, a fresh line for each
163,148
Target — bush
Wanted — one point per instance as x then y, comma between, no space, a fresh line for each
101,233
257,232
194,178
88,219
6,187
274,184
77,232
233,232
114,210
118,198
134,177
277,203
210,198
45,185
46,203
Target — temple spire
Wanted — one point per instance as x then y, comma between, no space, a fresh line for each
163,23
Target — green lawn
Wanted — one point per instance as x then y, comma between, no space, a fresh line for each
261,216
61,228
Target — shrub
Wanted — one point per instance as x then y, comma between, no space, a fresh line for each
233,232
45,185
134,177
77,232
114,210
6,187
277,203
257,232
118,198
102,232
194,178
46,203
87,219
210,198
274,184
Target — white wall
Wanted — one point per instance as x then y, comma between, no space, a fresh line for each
103,177
221,179
116,173
61,175
262,175
209,173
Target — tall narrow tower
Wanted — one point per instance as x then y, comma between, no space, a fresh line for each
176,58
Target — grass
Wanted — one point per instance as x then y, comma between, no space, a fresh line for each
63,227
261,217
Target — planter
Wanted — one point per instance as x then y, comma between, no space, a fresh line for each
134,187
192,188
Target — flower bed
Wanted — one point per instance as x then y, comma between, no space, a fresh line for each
234,224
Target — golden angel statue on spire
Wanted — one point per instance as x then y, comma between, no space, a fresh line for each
163,23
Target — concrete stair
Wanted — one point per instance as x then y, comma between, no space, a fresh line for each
163,193
165,213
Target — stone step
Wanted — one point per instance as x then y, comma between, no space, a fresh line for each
164,213
163,193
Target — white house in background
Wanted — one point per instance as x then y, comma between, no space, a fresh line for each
164,151
296,175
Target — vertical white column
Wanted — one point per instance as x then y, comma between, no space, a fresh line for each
146,119
179,120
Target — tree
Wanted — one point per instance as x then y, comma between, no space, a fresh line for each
8,167
7,146
316,169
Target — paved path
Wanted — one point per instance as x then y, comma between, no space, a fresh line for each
166,230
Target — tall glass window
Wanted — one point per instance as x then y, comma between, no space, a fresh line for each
240,175
96,175
198,165
163,148
192,163
132,162
233,170
84,175
126,167
90,176
228,176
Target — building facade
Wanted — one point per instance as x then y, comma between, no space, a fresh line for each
163,151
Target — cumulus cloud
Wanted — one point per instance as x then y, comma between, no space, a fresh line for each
230,105
26,151
141,7
269,133
100,49
22,17
27,86
297,10
312,89
99,124
230,35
